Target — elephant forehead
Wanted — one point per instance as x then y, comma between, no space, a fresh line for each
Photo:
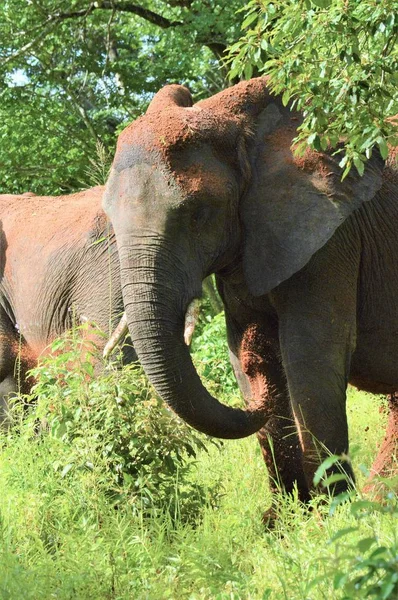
158,132
168,134
141,185
209,177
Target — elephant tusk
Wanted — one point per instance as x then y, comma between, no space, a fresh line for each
120,330
191,319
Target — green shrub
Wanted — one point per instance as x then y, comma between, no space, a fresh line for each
362,567
115,425
366,568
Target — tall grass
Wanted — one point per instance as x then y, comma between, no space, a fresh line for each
73,526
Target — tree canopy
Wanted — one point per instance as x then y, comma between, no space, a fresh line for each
73,72
336,60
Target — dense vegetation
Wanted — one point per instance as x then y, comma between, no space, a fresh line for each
73,73
337,61
107,495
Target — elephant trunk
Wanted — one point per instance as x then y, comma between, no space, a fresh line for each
155,312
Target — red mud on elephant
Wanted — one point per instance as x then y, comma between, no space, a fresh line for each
305,264
59,267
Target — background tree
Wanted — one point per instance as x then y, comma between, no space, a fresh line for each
73,73
336,60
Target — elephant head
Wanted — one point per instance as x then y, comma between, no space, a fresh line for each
204,188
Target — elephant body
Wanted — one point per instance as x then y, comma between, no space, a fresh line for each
305,265
58,266
332,323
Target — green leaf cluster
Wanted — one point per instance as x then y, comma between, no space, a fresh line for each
74,73
116,427
360,568
210,353
366,568
336,61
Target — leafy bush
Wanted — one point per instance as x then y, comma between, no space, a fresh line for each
361,567
116,426
366,568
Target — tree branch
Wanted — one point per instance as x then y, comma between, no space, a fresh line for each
185,3
45,31
128,7
55,18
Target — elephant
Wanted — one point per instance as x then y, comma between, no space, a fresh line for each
58,265
305,264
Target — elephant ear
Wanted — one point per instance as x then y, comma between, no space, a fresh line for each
293,205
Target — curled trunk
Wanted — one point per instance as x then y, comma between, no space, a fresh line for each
156,324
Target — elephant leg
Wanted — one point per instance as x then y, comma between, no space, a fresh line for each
259,372
386,461
8,373
317,314
317,342
281,450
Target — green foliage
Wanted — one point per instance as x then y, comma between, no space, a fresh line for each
336,60
44,148
77,532
366,568
362,568
75,73
74,524
98,169
210,353
211,303
116,427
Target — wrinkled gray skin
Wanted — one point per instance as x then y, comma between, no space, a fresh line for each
306,267
54,271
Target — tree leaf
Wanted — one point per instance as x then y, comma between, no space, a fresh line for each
381,142
326,464
249,20
322,3
285,97
366,543
360,165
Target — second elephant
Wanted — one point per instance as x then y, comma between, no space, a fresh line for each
58,266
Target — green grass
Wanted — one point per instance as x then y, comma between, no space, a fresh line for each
63,535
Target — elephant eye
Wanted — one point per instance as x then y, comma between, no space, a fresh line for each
201,215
